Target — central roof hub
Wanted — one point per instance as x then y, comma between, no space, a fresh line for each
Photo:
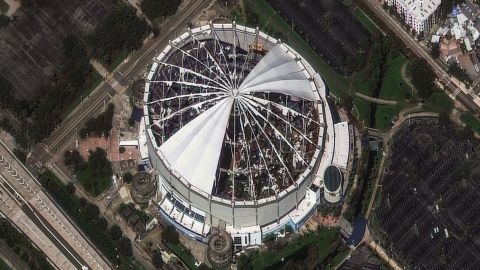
235,92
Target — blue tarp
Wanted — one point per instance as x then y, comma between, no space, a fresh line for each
358,231
137,114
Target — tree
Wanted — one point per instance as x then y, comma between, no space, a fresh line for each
120,30
157,260
115,232
154,8
27,3
92,211
457,71
4,20
127,177
71,188
170,235
244,263
435,50
347,103
20,154
422,78
102,223
125,247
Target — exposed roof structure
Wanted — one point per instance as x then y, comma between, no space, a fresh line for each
224,115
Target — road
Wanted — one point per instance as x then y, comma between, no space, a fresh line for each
42,213
452,88
114,84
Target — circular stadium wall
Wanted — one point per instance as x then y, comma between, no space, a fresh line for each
235,124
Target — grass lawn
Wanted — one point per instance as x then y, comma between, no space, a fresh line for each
179,251
362,110
385,114
122,55
393,86
439,102
94,185
269,18
470,120
323,239
3,264
339,257
3,7
365,20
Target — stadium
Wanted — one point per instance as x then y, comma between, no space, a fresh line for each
239,130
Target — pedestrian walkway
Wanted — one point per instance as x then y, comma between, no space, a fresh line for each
376,100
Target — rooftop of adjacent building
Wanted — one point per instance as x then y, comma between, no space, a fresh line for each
421,9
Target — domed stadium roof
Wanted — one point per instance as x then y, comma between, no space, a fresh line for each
234,120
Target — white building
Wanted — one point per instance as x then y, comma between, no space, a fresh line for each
420,15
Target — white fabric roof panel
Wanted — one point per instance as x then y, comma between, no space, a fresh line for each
277,72
194,150
342,145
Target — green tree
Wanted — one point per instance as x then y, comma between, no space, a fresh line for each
435,50
127,177
115,232
71,188
92,211
4,20
170,235
422,78
102,223
154,8
125,247
157,260
244,263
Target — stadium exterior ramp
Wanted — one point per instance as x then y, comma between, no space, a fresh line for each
238,129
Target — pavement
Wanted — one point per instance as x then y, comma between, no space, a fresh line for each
28,203
116,83
376,100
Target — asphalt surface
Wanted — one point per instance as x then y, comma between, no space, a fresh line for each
115,84
422,52
54,237
67,251
48,212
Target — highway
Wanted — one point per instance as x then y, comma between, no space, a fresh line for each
451,86
33,205
116,83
